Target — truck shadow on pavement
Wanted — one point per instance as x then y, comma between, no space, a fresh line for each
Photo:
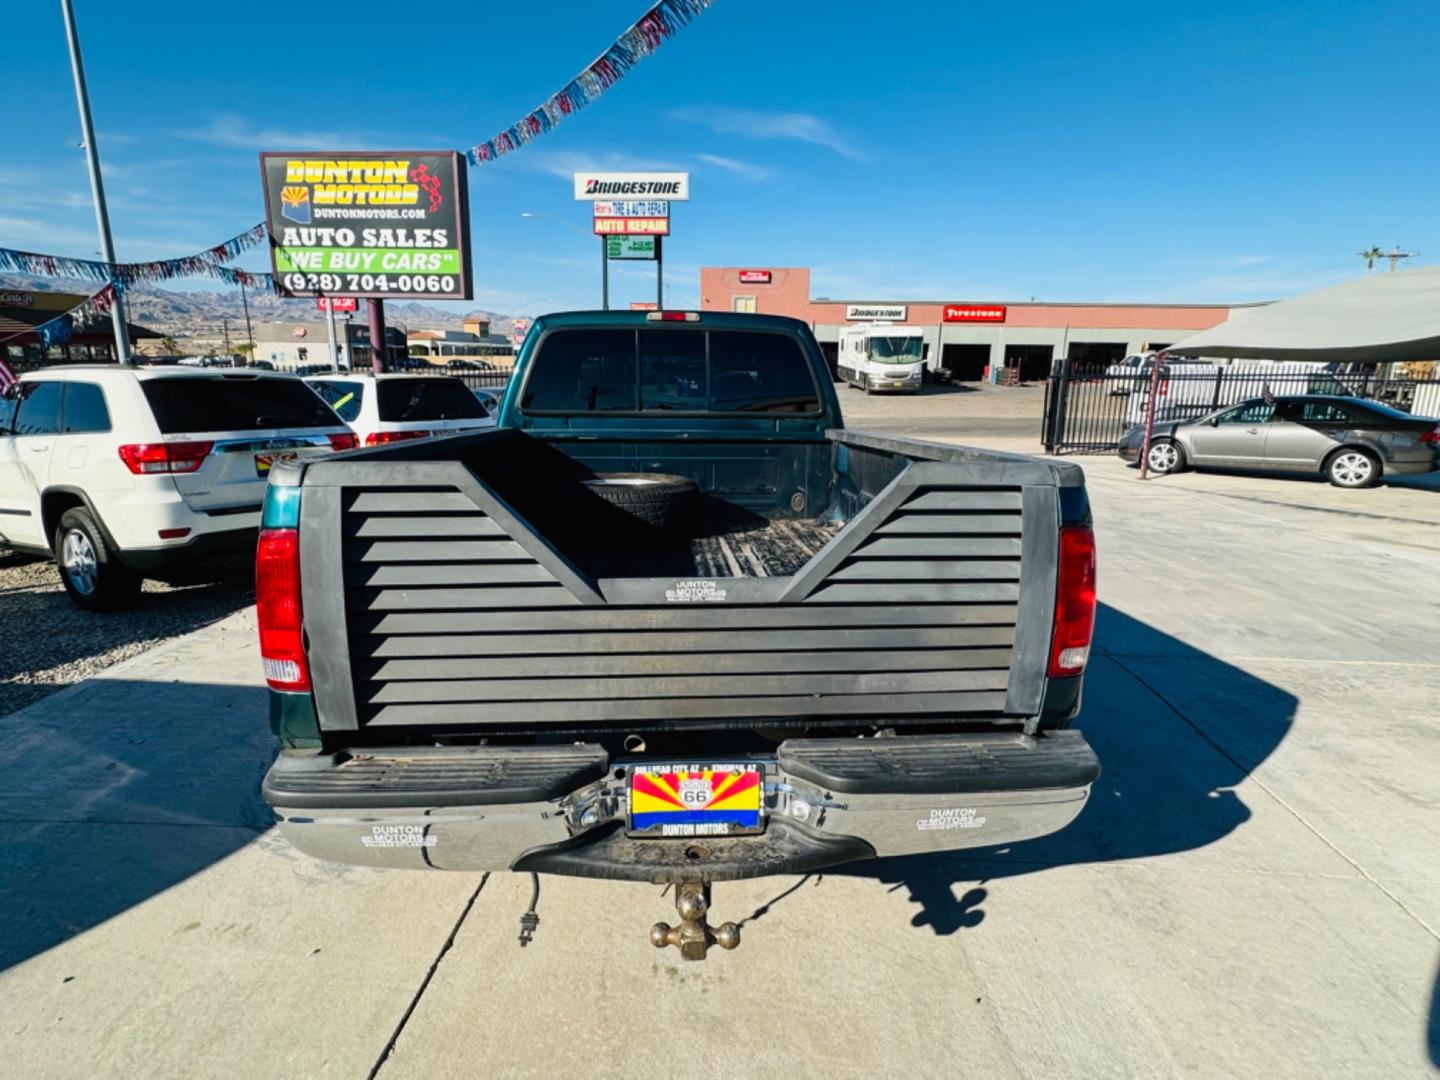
117,791
1175,728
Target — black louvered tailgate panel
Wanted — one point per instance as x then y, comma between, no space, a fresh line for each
453,623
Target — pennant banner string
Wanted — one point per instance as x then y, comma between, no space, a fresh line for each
655,27
205,263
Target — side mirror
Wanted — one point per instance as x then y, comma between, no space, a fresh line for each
1214,421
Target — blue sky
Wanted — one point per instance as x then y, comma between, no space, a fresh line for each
1217,151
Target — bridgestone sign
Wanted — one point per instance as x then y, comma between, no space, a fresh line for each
871,312
674,187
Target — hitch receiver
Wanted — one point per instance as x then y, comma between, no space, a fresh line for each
694,936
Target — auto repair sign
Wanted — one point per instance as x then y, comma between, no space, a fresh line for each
973,313
369,223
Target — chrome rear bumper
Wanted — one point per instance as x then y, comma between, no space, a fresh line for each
561,810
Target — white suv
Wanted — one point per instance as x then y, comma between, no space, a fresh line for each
389,408
121,472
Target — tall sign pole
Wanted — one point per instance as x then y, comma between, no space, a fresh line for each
330,322
605,273
97,185
377,336
659,273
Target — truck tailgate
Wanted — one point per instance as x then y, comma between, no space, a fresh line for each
442,609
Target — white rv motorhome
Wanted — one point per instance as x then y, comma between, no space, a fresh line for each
880,356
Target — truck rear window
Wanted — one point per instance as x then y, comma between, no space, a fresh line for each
192,406
715,371
427,399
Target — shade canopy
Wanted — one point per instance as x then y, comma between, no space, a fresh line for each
1385,316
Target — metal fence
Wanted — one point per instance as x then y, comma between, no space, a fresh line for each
1088,407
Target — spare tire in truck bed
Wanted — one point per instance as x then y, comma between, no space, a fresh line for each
658,499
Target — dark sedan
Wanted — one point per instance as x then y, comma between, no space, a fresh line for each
1351,441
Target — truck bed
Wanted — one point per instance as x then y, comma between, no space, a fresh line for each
922,592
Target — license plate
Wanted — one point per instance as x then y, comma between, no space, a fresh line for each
263,462
696,800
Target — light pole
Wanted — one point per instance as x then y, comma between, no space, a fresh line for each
529,215
97,185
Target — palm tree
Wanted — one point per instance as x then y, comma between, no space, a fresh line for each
169,344
1370,255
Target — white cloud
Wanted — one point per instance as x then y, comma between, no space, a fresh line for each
238,133
566,163
750,123
739,168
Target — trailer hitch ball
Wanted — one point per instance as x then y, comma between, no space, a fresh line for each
694,936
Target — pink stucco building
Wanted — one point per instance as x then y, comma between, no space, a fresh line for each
965,335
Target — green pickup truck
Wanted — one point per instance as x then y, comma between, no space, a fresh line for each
671,622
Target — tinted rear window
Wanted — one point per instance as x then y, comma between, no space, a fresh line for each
427,399
720,371
85,410
192,406
344,397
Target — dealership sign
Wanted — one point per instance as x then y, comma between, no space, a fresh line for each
630,247
644,305
605,186
337,303
518,329
754,277
632,226
868,312
369,223
972,313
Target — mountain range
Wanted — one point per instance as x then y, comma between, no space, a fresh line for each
189,314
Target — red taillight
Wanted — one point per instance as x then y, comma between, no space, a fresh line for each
1074,602
378,438
347,441
1432,436
277,609
170,457
672,316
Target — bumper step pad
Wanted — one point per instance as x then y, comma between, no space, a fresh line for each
435,776
941,764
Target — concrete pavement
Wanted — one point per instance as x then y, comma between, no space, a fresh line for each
1252,890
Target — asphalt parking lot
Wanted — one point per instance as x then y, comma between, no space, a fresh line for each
1253,889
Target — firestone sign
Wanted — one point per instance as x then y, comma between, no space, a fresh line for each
973,313
369,223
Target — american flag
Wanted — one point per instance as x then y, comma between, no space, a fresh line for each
1267,394
7,378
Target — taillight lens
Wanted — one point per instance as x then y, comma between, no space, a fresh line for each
171,457
377,438
1074,602
672,316
277,609
1432,436
347,441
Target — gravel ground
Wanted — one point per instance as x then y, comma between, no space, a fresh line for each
47,643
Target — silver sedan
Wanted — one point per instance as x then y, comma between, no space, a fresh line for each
1351,441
